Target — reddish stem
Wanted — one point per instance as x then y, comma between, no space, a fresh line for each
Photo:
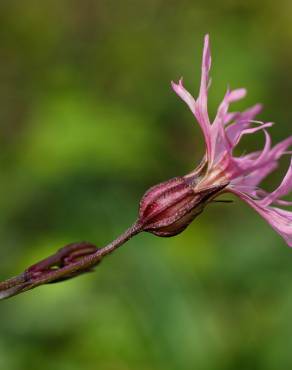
70,261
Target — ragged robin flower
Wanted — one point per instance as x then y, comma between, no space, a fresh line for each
168,208
238,175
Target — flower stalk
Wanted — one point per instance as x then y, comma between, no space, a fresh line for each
68,262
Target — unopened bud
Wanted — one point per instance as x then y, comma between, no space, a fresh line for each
65,256
168,208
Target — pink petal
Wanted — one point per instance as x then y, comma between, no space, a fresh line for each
199,107
201,117
242,121
247,163
206,66
251,169
184,95
284,188
280,148
265,152
202,101
241,167
249,182
279,219
248,166
230,97
220,143
251,131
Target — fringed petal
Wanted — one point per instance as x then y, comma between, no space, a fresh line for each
238,118
255,162
201,116
284,188
199,107
206,66
220,144
251,131
279,219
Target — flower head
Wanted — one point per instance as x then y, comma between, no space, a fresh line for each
239,175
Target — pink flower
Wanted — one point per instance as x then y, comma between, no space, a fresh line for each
238,175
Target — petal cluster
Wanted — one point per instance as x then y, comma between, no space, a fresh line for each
243,173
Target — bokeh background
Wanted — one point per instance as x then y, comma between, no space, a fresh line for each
87,123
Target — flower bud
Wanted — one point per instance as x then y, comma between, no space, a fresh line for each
65,256
168,208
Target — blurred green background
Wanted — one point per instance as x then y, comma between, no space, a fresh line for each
87,123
